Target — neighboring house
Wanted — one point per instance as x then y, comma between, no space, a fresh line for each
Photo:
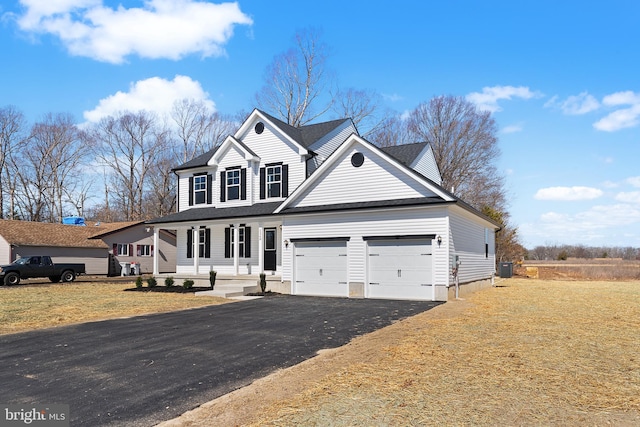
328,212
92,244
132,243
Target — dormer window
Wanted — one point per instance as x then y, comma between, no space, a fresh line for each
233,184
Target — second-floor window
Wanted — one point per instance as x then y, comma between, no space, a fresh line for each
200,189
233,184
274,181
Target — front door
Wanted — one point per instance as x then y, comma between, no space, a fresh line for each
270,245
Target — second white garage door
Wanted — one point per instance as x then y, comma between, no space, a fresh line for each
321,268
399,269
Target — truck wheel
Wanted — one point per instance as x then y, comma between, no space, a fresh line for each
68,276
11,279
54,279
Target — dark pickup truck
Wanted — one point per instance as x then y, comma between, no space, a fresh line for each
39,266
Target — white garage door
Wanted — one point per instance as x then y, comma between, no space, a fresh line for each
399,269
321,268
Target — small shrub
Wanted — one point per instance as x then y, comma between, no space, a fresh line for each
139,282
151,282
168,282
187,284
263,282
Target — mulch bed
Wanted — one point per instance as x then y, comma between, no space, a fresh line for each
172,289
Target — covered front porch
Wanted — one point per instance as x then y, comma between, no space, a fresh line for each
231,248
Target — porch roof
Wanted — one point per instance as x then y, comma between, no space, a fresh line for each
201,214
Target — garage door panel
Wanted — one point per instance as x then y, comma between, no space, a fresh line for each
399,269
321,268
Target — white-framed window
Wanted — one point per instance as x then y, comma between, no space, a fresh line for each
122,249
274,181
145,250
244,242
200,189
233,184
202,242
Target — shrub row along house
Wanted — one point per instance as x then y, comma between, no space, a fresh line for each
326,212
102,247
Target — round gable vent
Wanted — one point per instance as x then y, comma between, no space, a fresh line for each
357,159
259,128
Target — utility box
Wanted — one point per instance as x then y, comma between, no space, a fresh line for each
506,270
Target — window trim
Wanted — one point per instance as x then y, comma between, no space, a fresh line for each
200,189
229,187
270,172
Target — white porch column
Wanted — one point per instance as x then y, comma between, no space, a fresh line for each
156,248
236,249
260,248
196,250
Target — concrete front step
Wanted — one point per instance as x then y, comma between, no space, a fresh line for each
226,286
229,290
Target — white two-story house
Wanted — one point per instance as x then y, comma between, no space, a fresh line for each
328,213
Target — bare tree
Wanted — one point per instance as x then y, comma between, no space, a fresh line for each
12,137
56,156
391,131
465,146
127,144
364,107
296,81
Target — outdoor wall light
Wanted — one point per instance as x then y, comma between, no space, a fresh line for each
439,240
286,244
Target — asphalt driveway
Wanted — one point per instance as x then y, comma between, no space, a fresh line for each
143,370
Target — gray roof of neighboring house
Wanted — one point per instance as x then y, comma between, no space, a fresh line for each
29,233
406,153
199,214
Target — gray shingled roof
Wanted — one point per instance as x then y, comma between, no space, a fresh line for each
308,134
405,153
305,136
199,214
365,205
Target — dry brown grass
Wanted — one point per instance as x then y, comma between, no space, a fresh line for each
27,307
528,352
584,269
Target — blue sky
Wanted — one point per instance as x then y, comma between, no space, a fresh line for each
561,77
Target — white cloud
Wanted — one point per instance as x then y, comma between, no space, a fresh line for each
568,193
576,104
489,97
153,94
628,197
168,29
634,180
512,128
621,118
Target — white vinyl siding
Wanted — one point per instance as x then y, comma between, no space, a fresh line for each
468,243
426,165
356,225
273,147
375,180
325,146
5,252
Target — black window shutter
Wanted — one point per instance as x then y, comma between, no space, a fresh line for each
209,188
189,244
227,242
263,183
207,243
223,186
285,180
247,242
190,191
243,184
